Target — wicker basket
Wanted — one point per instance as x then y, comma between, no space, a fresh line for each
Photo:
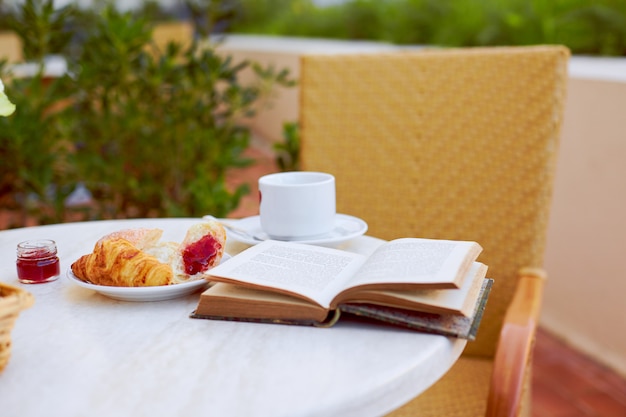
12,301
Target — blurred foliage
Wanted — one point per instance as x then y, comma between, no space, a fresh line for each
288,151
41,27
595,27
34,169
149,132
155,132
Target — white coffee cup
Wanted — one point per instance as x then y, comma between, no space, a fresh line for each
297,205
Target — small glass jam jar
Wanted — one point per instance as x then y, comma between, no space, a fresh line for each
37,261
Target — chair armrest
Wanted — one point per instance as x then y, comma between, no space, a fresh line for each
513,354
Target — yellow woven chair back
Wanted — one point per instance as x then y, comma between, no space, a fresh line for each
450,143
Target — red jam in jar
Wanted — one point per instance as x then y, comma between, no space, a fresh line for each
37,261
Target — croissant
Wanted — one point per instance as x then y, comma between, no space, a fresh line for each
136,258
117,262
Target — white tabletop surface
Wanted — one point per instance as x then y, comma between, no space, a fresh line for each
78,353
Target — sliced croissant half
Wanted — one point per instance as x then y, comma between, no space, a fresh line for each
137,257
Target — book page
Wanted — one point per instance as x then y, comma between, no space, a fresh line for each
461,301
314,272
414,261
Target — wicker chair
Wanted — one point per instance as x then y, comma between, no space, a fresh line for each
455,144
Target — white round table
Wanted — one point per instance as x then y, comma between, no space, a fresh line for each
78,353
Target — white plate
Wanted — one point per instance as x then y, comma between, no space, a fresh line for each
346,228
157,293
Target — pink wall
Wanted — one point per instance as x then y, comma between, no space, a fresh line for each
585,258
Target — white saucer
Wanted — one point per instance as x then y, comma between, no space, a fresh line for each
158,293
346,228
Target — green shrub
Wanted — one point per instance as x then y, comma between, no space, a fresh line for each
34,171
149,132
585,26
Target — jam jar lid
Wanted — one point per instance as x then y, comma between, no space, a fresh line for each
36,248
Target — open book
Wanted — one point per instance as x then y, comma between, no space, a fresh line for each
420,280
